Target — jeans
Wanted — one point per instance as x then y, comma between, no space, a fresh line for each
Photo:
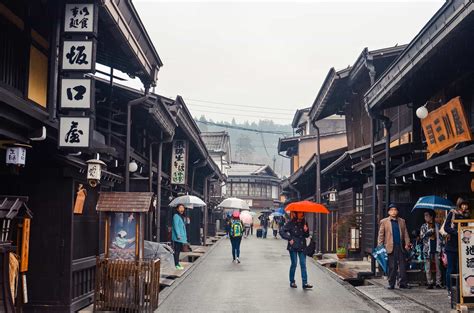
178,246
453,267
264,232
397,263
235,242
294,260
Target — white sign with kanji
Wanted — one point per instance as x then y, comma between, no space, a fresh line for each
76,93
466,254
179,162
16,155
74,132
77,55
79,17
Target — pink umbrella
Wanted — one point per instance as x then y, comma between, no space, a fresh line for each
245,217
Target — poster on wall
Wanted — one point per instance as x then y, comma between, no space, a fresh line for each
122,236
466,260
179,160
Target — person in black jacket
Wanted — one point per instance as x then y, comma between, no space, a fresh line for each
296,231
461,212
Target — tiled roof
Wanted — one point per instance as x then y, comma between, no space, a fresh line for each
215,141
124,201
246,169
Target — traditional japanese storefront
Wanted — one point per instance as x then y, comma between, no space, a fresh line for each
433,78
40,89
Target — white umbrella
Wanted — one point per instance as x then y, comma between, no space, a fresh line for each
188,201
234,203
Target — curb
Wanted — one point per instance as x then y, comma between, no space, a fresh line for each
374,305
165,293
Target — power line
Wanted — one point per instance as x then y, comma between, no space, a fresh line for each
275,132
193,105
245,115
239,105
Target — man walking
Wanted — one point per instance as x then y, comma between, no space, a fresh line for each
394,235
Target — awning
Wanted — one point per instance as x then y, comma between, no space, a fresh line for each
137,202
10,206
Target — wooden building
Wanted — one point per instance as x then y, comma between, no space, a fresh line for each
131,131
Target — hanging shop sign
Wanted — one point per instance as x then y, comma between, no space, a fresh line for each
80,18
179,162
16,155
77,93
74,132
78,55
446,126
466,259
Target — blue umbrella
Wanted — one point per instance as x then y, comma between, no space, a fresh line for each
280,210
277,214
432,203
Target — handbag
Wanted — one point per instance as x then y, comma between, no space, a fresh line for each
444,259
310,248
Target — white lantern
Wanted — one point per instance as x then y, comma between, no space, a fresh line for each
16,156
422,112
332,196
132,166
94,171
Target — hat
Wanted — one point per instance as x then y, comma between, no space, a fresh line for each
236,214
392,205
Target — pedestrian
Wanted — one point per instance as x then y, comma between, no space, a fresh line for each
275,227
432,240
236,232
264,224
246,230
394,236
451,248
296,231
251,229
178,236
227,226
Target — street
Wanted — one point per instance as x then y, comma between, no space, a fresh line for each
258,284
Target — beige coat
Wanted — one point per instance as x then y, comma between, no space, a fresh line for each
386,235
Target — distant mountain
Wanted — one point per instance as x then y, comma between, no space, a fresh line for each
257,146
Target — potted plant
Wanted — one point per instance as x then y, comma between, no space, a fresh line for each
341,253
342,228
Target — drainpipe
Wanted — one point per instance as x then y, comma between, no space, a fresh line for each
387,125
129,130
206,208
298,194
318,186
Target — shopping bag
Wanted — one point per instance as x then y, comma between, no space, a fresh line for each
381,256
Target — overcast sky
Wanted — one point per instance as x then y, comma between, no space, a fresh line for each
267,58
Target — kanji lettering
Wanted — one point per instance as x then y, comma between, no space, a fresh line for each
457,121
431,136
470,262
79,92
77,55
79,18
470,250
73,135
439,129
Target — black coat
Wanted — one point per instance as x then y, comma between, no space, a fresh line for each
452,230
294,230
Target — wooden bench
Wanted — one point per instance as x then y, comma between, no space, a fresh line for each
347,275
190,256
166,282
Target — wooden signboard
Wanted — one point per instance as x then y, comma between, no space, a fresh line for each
466,263
446,126
25,245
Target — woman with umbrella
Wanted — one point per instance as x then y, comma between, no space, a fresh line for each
178,236
296,231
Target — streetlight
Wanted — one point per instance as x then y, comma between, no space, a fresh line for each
422,112
132,166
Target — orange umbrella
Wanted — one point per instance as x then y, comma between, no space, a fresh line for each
307,207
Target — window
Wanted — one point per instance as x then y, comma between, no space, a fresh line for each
255,190
355,238
239,189
359,206
38,77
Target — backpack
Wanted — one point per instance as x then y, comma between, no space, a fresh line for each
236,229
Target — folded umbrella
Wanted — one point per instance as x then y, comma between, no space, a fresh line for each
432,203
306,207
188,201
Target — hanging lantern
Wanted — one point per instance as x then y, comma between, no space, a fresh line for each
16,156
94,171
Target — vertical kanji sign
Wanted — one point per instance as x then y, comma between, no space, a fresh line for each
78,55
77,93
80,18
74,132
179,162
446,126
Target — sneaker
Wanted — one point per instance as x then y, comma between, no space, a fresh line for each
404,287
391,287
307,286
179,267
438,286
293,285
430,286
238,260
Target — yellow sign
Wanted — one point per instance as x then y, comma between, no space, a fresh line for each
446,126
25,245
